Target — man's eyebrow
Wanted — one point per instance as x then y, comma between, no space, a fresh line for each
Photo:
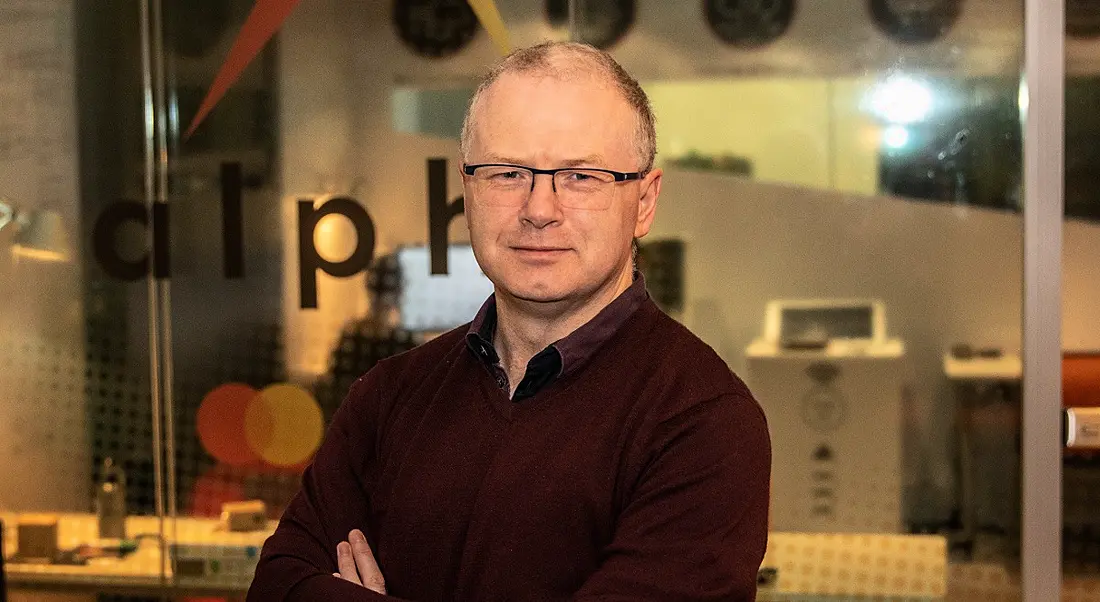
589,160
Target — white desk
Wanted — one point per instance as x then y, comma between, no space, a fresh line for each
1004,368
806,563
146,571
819,566
855,566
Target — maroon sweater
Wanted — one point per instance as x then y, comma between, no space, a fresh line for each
640,474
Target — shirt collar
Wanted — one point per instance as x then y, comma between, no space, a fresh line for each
479,338
576,348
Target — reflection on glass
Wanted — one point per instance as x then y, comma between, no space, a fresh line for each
815,152
885,168
39,234
901,100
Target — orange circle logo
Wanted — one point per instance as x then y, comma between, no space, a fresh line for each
279,427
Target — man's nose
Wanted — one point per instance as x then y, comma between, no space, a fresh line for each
542,207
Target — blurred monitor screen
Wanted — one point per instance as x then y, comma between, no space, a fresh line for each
444,301
833,322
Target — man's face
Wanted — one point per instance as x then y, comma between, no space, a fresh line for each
539,250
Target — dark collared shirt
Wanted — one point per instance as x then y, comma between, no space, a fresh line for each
561,357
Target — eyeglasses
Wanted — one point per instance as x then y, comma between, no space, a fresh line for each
505,185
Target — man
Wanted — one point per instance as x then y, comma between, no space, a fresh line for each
573,442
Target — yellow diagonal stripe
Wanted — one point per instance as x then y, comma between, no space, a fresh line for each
487,13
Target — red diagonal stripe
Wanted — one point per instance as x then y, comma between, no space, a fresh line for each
266,18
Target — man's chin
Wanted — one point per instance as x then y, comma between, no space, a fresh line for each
537,293
539,296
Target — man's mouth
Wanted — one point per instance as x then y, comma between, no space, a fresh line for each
539,252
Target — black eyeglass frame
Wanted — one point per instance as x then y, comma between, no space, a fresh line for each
620,176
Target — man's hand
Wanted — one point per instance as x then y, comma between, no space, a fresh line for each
357,564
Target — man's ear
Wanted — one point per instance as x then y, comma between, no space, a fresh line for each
649,190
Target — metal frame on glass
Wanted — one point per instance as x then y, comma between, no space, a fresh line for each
1042,110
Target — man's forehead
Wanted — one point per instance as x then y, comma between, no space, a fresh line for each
586,102
545,117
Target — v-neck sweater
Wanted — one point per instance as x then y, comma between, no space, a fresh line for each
641,475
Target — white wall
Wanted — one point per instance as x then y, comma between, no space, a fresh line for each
947,275
1081,287
43,448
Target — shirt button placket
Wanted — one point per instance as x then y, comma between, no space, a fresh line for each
499,376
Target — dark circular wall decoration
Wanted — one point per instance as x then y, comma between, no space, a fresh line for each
749,23
602,22
915,21
434,28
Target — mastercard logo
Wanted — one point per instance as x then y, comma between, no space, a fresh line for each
277,427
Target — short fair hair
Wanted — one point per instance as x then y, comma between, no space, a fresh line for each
565,59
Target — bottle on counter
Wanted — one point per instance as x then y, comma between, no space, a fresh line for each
110,503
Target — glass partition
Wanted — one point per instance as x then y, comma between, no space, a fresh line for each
846,181
207,246
1080,536
78,460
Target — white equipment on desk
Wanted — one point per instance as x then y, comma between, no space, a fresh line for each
831,384
224,555
212,565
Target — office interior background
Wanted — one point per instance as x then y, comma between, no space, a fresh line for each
842,219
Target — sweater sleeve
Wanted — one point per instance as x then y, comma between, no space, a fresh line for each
298,560
695,526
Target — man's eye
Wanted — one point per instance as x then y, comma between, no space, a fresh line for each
508,175
577,176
